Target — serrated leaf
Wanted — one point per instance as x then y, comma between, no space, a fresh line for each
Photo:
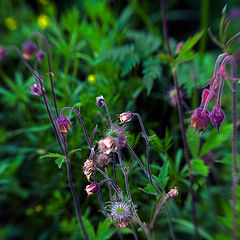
200,167
60,161
89,228
73,151
156,141
163,176
193,142
129,63
149,189
52,155
215,139
104,231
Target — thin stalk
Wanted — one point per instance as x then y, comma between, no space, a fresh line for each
147,146
147,232
181,118
108,114
65,80
234,152
109,187
75,199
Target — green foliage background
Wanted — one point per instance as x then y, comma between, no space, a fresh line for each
120,45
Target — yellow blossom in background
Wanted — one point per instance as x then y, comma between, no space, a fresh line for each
44,2
92,78
11,23
43,21
38,208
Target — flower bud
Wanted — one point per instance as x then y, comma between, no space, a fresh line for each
217,117
3,53
89,168
179,46
173,192
92,188
200,119
126,117
40,55
37,90
29,49
100,101
64,124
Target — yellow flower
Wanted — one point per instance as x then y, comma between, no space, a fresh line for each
92,78
11,23
44,2
43,21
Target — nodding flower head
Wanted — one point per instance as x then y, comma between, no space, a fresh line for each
206,92
217,117
102,160
88,168
64,124
119,133
179,47
100,101
120,212
29,49
92,188
40,55
200,119
126,117
37,90
107,145
173,192
172,96
3,53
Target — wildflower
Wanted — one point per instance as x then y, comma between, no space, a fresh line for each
89,168
100,101
92,78
117,132
217,117
64,124
107,145
40,55
3,53
102,160
200,119
37,90
172,95
179,47
92,188
126,117
173,192
121,213
29,50
43,21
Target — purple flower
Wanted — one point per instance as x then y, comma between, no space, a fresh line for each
64,124
217,117
200,119
100,101
29,49
37,90
3,53
234,14
40,55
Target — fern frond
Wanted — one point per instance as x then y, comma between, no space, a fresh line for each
129,63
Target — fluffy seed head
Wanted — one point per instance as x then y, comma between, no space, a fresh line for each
102,160
119,133
88,168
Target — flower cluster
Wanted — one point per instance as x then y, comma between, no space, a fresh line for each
201,116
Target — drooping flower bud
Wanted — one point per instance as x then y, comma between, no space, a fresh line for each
179,46
200,119
126,117
29,49
100,101
217,117
172,96
37,90
64,124
3,53
106,145
121,213
89,168
205,94
40,55
92,188
173,192
102,160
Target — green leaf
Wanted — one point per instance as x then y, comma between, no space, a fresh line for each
89,228
200,167
149,189
163,176
52,155
215,139
125,230
156,142
60,161
193,142
165,57
73,151
151,70
104,231
129,63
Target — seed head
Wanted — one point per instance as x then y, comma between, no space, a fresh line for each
92,188
88,168
200,119
126,117
217,117
106,145
29,49
102,160
64,124
119,133
37,90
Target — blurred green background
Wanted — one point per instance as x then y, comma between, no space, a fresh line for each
109,48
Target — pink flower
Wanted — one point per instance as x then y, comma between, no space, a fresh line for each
200,119
217,117
92,188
